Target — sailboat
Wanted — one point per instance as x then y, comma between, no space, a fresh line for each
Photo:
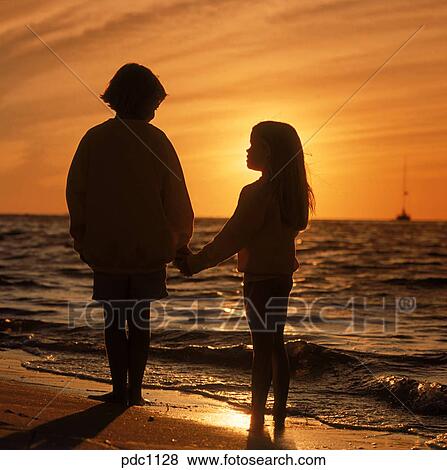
404,216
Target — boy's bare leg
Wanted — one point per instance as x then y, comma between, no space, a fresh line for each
138,349
116,347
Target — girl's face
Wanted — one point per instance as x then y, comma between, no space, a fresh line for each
258,153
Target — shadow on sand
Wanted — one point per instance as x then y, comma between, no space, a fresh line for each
67,432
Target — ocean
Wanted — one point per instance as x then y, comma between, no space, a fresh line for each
366,332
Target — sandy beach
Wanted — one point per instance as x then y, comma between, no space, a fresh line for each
39,410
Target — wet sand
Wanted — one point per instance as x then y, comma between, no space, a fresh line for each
39,410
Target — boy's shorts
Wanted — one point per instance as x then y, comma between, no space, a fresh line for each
108,286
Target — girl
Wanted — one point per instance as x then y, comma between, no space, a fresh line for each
269,215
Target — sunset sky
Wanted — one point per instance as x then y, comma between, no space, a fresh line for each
227,65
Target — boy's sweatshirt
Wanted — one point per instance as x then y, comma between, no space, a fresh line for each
128,203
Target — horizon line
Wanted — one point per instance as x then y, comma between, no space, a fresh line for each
359,219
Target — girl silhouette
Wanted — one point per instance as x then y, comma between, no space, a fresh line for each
269,215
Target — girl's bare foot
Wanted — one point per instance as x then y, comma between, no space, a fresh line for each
279,418
256,422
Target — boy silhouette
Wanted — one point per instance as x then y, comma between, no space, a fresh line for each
130,215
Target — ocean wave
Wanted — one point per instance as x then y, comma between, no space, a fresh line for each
310,358
13,257
422,397
13,282
28,343
425,282
421,359
22,311
218,277
304,357
12,233
438,442
74,272
238,356
437,254
179,336
314,360
27,325
414,263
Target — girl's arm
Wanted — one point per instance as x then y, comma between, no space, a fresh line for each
247,219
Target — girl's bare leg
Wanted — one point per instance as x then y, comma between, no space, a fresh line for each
261,377
281,377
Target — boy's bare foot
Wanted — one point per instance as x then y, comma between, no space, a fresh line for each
110,397
139,401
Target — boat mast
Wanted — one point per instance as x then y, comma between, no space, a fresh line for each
404,186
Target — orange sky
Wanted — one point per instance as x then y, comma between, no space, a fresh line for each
227,65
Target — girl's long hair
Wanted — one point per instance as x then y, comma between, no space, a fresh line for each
287,172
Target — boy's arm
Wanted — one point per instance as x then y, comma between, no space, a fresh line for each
176,201
247,219
76,191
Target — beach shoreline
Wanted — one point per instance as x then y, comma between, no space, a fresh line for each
48,411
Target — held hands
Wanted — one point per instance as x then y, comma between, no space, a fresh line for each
181,261
187,262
